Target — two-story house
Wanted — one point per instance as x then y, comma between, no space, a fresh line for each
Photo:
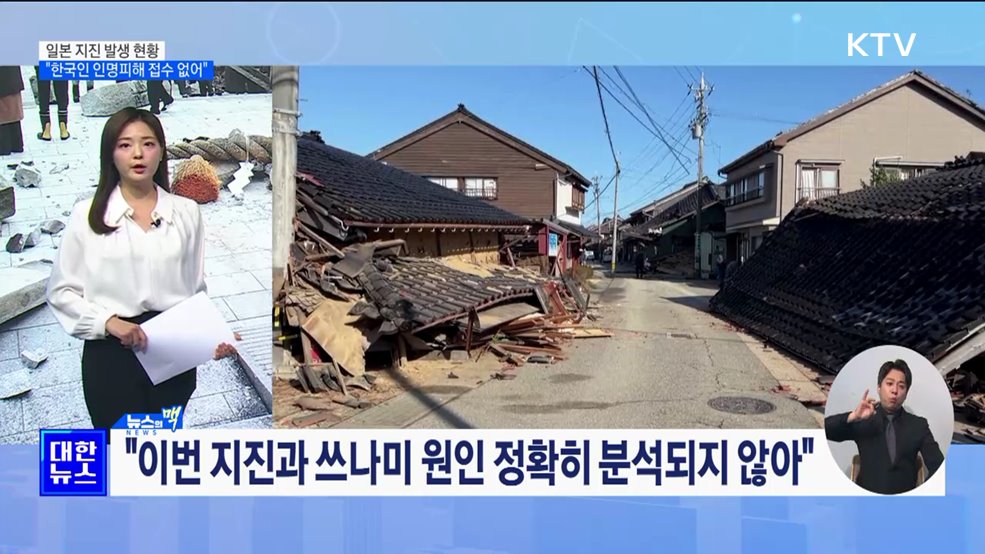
462,152
907,126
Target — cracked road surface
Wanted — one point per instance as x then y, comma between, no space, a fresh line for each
667,359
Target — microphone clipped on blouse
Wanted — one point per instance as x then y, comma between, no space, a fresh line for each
156,223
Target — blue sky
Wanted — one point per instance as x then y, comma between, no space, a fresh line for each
557,110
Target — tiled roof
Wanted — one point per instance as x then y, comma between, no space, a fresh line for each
685,206
895,264
359,190
660,203
414,293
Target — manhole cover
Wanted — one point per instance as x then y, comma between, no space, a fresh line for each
741,405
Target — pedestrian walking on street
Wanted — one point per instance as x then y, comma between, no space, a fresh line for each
640,264
731,269
129,253
720,266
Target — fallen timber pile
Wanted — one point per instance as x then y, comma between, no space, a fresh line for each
341,304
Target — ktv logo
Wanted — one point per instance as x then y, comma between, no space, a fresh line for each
856,43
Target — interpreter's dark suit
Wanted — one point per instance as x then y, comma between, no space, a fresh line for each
877,473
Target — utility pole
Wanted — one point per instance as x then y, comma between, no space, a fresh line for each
615,216
284,166
698,132
598,219
598,209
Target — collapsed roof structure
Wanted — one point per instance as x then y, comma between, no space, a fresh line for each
900,263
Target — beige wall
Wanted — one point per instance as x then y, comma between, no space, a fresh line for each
762,208
909,122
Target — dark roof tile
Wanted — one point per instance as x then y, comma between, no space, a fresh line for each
893,264
360,190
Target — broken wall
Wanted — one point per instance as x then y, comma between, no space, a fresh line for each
481,247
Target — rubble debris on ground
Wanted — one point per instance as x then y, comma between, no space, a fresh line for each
389,271
22,288
818,289
345,303
33,238
52,226
967,386
817,285
27,176
33,358
16,243
8,204
107,100
15,383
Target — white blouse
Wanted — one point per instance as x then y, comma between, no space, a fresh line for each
128,271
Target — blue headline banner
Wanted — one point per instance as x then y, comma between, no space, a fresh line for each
439,524
137,70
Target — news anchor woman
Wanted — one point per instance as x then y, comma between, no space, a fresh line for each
129,253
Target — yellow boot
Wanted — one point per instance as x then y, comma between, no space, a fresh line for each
64,129
46,133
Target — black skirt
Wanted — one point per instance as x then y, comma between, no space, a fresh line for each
115,384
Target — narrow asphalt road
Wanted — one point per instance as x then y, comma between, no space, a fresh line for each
667,360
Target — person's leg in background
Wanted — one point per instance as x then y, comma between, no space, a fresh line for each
61,96
44,103
166,96
182,88
154,97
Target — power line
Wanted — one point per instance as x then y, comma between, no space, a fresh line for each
671,178
630,112
652,190
605,119
646,112
605,188
631,96
615,201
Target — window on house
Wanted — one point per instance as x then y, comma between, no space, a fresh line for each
447,182
817,181
904,172
481,187
578,199
744,189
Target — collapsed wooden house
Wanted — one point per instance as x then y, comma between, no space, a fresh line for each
387,261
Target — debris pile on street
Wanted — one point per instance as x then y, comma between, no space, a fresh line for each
967,386
679,263
367,297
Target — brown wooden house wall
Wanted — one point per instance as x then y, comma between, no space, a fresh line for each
462,151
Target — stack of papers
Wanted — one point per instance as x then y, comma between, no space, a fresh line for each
183,338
